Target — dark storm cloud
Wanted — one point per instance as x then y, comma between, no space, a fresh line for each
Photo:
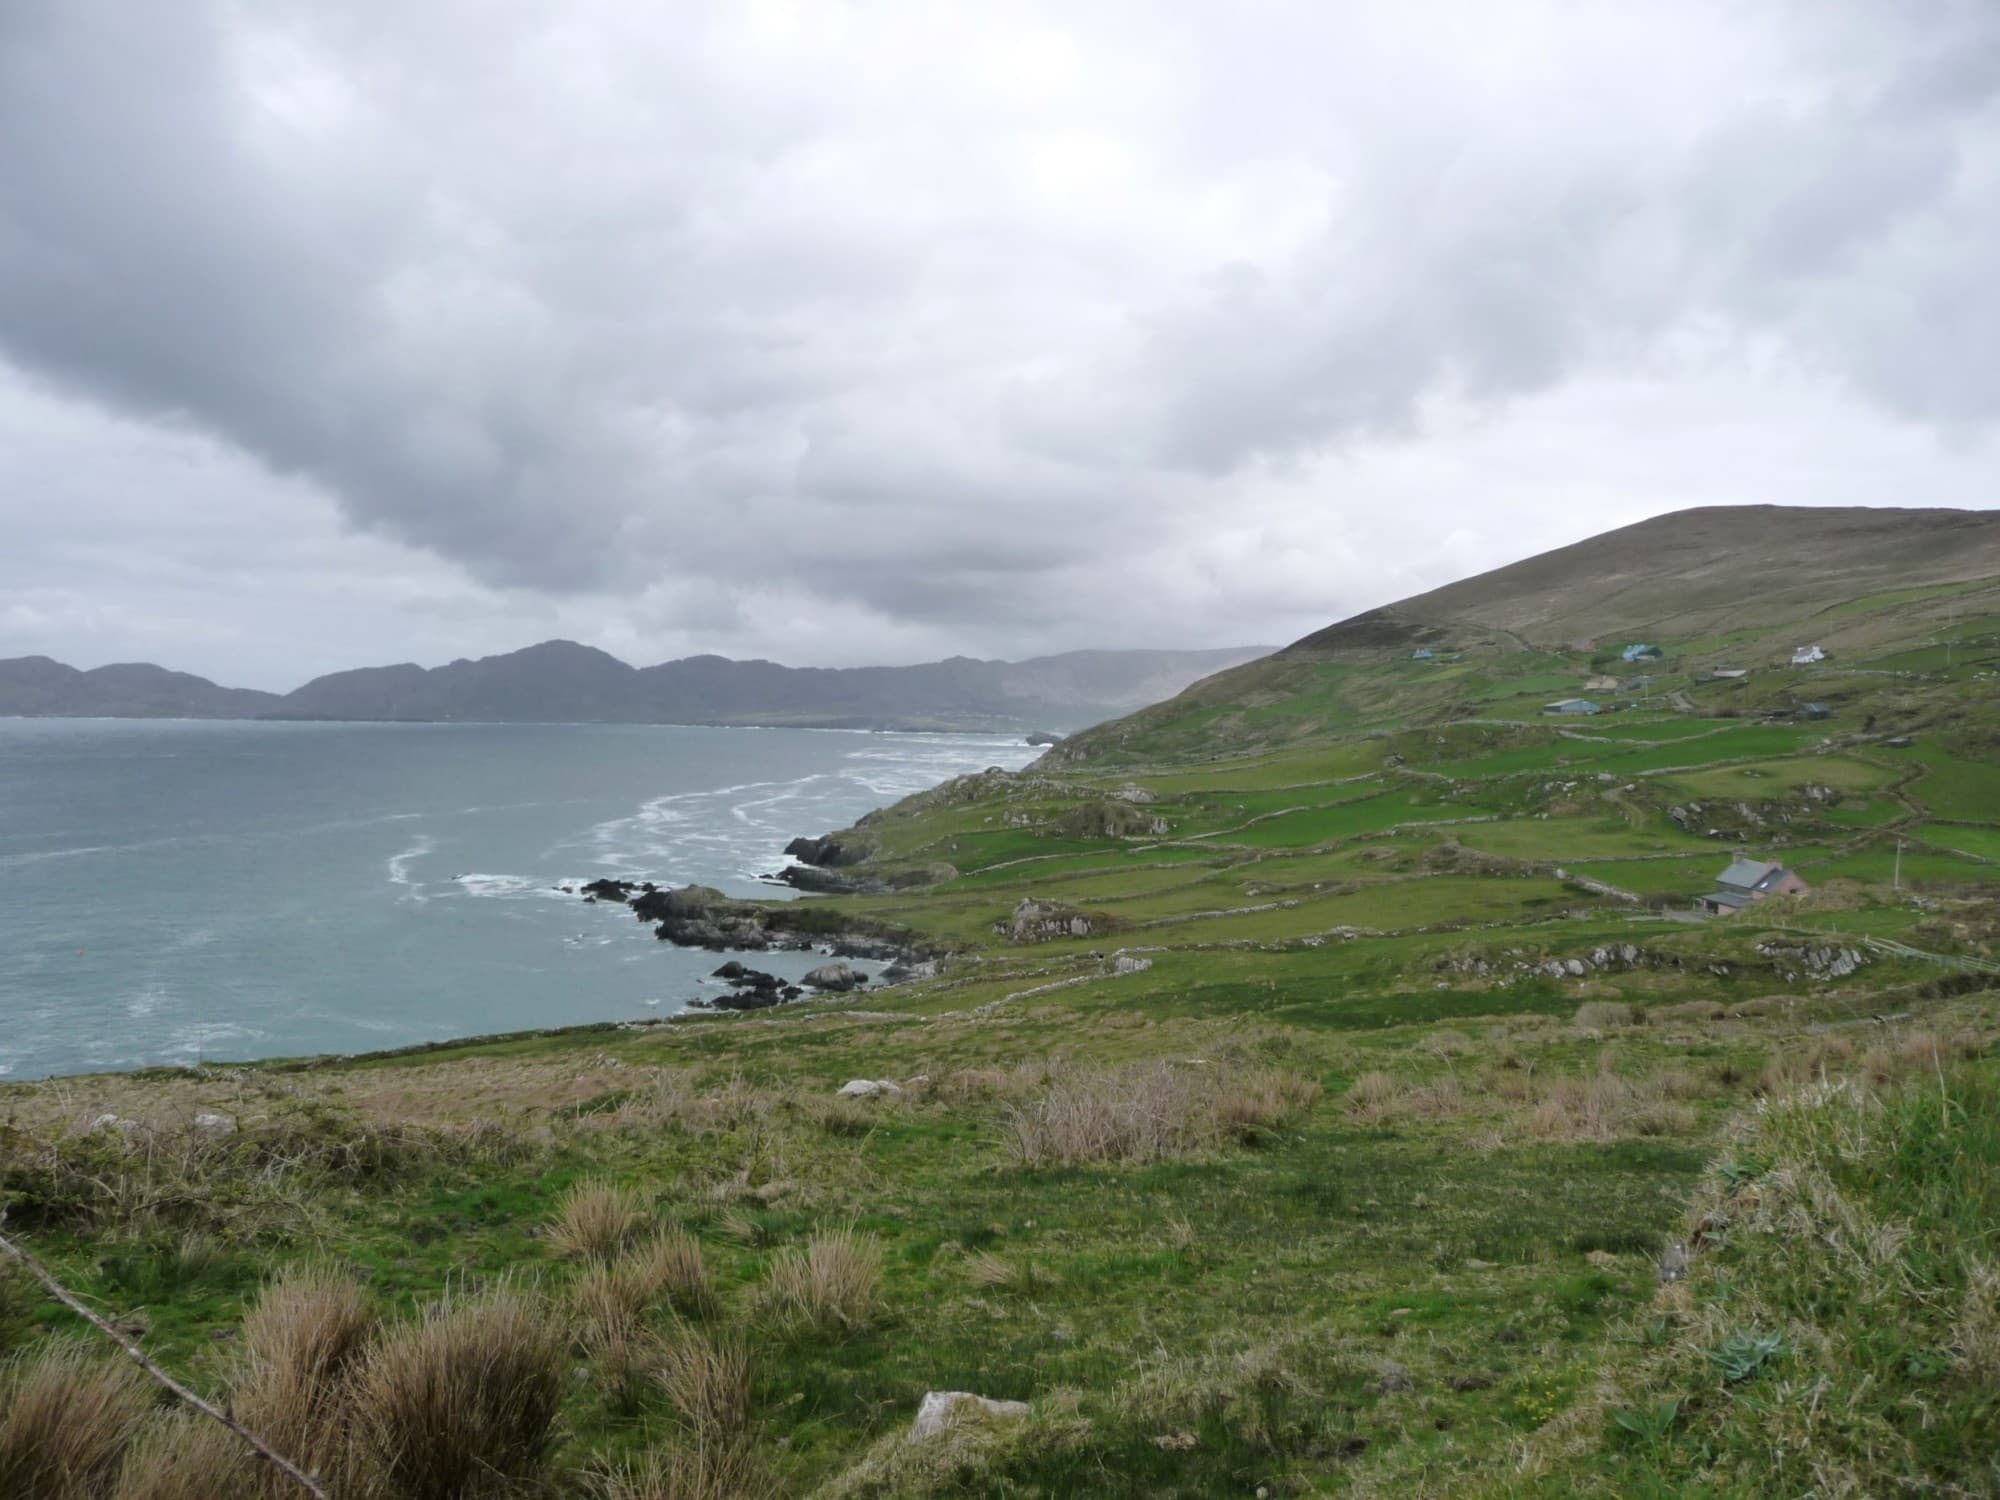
943,318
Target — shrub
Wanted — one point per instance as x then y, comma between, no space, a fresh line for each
464,1398
67,1416
596,1219
831,1286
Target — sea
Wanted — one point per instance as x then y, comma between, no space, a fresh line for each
173,892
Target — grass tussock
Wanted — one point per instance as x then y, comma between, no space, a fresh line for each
595,1220
183,1455
708,1382
694,1468
831,1285
465,1398
302,1342
67,1415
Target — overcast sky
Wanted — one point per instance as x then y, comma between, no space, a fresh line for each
338,333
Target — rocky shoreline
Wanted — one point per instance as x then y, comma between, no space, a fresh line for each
698,916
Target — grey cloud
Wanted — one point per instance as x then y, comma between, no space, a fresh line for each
907,313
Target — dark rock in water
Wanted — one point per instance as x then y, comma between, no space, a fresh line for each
731,971
1043,737
746,1000
609,890
792,992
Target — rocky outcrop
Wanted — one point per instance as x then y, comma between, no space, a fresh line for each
825,882
1796,958
699,916
1110,820
838,978
830,851
1046,921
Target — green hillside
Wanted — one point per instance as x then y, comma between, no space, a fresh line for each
1881,591
1323,1087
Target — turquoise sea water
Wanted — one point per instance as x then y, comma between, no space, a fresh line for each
173,891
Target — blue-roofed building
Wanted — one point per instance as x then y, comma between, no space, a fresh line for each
1640,651
1572,706
1422,653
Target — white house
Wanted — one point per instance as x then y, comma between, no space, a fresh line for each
1805,656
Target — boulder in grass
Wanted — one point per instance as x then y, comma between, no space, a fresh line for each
942,1410
215,1124
867,1088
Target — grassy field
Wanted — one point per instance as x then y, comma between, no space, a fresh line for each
1352,1150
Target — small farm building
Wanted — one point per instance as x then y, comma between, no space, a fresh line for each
1805,656
1747,881
1640,651
1600,684
1572,706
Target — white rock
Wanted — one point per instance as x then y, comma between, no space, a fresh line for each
219,1124
113,1122
868,1088
943,1409
1125,963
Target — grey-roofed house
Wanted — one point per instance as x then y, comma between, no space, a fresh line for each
1572,706
1750,880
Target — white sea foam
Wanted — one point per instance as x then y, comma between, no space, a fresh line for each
477,884
145,1002
398,865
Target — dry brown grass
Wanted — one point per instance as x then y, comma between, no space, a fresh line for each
1133,1115
995,1273
596,1219
830,1286
183,1455
1371,1095
1249,1104
67,1415
1605,1107
302,1342
465,1399
1447,1043
1603,1015
667,1267
1376,1098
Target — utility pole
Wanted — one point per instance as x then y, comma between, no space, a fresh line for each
1897,883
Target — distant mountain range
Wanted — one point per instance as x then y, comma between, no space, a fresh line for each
562,682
